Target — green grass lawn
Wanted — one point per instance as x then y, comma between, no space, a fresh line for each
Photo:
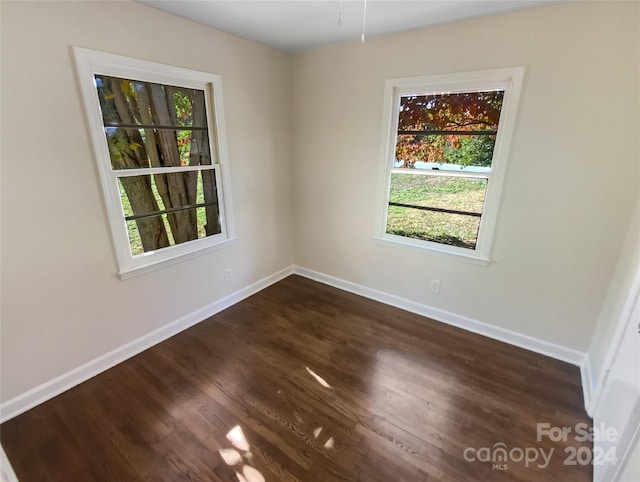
461,194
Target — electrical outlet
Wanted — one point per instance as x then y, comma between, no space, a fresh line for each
435,285
228,274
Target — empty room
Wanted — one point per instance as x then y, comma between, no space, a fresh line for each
363,240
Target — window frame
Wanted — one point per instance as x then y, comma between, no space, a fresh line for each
92,62
508,79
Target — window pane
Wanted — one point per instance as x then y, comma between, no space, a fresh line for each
454,193
126,101
173,123
158,223
132,148
166,209
451,129
452,229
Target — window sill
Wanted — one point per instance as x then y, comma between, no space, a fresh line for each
451,252
140,270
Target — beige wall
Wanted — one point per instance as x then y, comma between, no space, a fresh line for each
570,186
62,303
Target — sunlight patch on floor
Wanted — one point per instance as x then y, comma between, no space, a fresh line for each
329,444
230,456
237,438
318,378
250,474
234,458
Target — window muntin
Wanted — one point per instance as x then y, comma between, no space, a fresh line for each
442,130
159,141
192,147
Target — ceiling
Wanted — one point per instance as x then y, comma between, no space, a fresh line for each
296,25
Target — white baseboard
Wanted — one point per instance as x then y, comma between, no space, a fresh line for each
527,342
50,389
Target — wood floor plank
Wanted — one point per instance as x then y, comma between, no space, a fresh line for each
303,382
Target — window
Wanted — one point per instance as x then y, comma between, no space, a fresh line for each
445,155
159,142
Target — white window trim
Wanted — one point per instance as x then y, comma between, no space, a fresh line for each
510,79
91,62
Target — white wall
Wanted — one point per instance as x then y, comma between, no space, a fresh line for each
62,302
632,470
570,187
612,312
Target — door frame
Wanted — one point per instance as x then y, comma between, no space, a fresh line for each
632,303
633,297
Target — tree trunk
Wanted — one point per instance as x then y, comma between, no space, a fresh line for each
137,188
183,223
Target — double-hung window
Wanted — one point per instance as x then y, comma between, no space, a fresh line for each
158,136
446,146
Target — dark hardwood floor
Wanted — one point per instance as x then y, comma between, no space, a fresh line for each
304,382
